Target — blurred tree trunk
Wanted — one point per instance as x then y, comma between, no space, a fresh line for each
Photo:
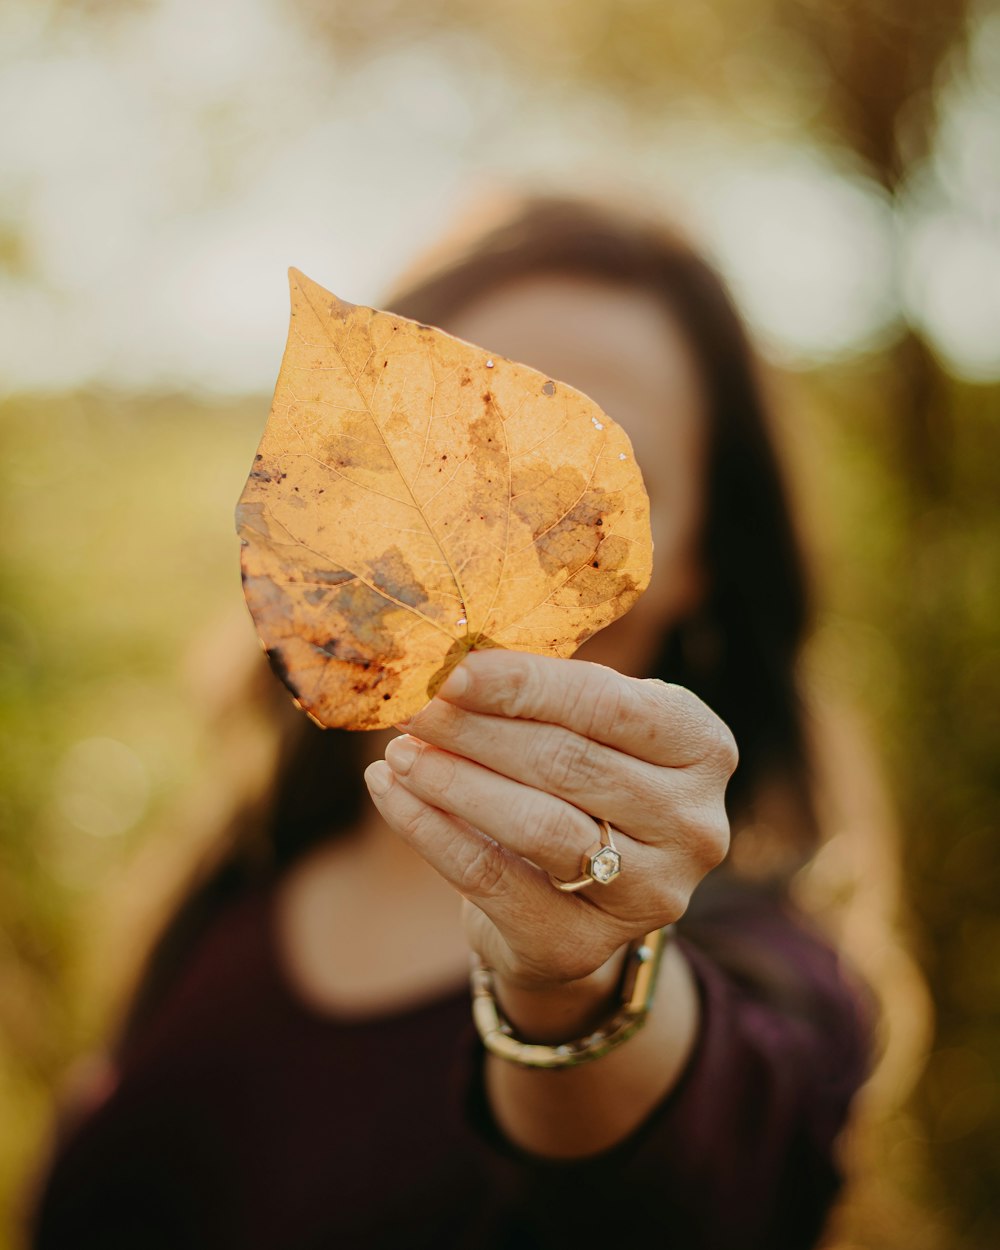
883,59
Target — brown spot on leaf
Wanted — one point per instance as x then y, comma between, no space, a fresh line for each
611,583
568,540
330,577
393,573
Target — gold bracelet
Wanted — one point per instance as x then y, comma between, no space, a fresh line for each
638,985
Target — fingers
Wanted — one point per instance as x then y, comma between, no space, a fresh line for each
474,864
499,779
537,926
652,720
648,802
552,834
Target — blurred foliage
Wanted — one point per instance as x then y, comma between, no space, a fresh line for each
859,72
912,635
122,512
115,543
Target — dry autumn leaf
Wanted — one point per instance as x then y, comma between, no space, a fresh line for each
413,499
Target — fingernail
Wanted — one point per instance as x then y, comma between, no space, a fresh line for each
400,754
378,776
456,683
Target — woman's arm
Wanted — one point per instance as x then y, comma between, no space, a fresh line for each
742,1151
588,1108
497,784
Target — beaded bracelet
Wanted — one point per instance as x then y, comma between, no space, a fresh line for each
638,985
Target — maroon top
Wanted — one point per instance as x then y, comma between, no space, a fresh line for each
244,1118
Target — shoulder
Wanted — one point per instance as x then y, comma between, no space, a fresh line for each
144,1134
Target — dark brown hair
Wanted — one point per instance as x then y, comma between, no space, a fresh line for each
738,652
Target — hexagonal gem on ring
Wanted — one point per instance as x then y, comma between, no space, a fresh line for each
605,865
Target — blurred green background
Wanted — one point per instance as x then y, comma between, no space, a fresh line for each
165,161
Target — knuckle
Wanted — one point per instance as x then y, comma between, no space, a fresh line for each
683,709
421,824
440,716
571,762
514,692
435,770
671,708
647,790
574,695
711,845
649,722
607,703
667,696
669,900
659,690
561,835
714,851
483,871
723,835
727,751
551,829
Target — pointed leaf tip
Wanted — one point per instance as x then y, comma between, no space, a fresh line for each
303,289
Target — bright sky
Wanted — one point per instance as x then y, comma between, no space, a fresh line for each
163,170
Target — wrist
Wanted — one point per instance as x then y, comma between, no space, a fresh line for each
558,1011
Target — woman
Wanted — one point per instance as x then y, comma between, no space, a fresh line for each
300,1066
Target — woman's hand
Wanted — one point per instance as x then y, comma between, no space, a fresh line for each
497,782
